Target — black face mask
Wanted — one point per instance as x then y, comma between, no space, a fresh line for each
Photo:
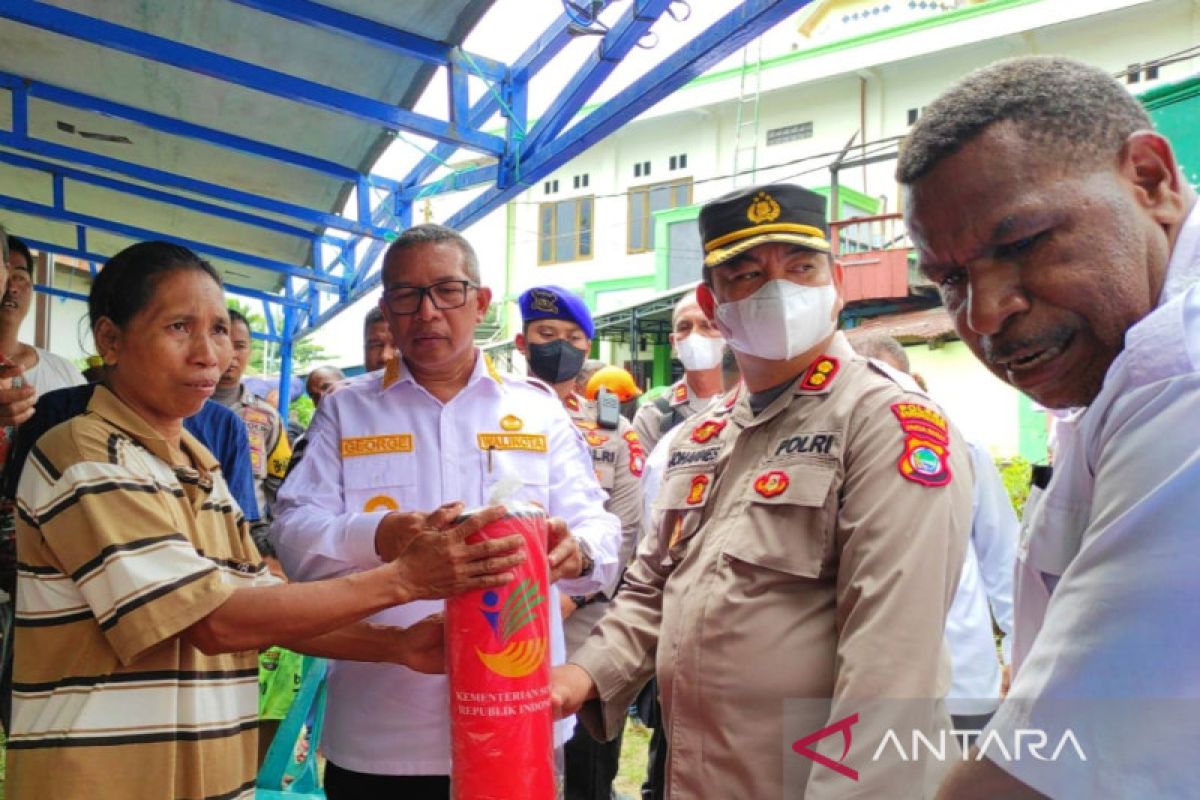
555,362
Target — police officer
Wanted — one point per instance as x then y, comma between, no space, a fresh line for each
438,425
555,338
809,534
699,346
270,450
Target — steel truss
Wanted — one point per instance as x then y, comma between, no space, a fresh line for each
344,249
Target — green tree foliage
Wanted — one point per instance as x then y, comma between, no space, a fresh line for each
264,356
1016,472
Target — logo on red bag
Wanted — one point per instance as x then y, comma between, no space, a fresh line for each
515,659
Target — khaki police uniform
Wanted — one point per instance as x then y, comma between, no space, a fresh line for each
619,460
811,551
652,421
270,451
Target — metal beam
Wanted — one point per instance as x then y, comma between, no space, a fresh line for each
370,32
63,215
212,190
243,73
616,44
137,190
541,52
177,127
84,255
725,36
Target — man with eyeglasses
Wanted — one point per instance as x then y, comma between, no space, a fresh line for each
433,428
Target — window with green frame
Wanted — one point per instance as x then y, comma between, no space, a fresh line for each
645,200
565,230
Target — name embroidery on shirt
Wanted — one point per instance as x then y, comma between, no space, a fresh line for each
377,445
805,443
535,442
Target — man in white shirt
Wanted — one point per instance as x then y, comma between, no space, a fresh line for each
1066,246
438,425
44,371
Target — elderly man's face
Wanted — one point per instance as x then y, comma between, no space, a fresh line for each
433,340
1042,262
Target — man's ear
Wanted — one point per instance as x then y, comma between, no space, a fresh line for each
520,343
1148,162
706,301
839,283
483,301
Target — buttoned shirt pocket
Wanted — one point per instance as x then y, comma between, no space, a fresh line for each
527,471
786,524
679,509
383,482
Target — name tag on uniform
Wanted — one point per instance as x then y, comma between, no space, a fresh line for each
377,445
512,441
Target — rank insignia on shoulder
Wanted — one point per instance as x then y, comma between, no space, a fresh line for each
511,423
637,454
926,455
772,484
595,439
707,430
820,374
696,492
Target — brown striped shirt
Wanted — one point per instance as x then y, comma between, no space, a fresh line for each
120,551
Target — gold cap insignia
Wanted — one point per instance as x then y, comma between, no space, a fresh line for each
763,208
544,301
511,423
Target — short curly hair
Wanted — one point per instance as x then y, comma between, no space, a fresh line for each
1052,100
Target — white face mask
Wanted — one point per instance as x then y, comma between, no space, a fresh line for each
700,352
779,321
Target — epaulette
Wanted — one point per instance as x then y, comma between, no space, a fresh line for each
530,380
901,379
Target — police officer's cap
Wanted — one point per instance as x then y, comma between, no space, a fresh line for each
555,302
779,212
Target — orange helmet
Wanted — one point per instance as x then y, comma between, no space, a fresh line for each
616,380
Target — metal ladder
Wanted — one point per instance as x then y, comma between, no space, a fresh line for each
745,144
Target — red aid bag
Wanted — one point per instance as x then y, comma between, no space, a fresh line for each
498,658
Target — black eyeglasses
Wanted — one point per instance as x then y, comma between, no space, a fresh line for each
444,295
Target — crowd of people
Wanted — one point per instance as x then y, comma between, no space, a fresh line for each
792,541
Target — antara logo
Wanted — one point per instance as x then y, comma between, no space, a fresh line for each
842,726
1030,742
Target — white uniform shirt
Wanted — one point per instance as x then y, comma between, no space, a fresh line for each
52,372
985,590
416,453
1108,579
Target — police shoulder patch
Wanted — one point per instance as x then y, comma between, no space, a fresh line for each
637,454
926,456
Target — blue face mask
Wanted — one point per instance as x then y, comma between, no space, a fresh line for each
555,362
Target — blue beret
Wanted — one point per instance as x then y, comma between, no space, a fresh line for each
555,302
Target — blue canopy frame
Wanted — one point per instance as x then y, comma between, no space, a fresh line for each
343,249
